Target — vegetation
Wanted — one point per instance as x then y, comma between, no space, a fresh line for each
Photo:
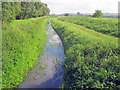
0,59
78,13
107,26
66,14
22,40
98,14
23,10
22,43
91,59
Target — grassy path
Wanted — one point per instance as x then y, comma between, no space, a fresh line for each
108,26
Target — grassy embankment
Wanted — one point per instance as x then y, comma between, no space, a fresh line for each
91,57
22,43
107,26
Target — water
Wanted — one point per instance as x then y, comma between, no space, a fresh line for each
51,74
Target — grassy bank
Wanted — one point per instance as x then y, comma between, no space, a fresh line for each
107,26
22,43
91,57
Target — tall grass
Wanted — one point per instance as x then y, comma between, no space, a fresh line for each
91,59
107,26
22,43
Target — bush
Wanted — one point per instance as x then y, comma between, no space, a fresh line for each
98,14
67,14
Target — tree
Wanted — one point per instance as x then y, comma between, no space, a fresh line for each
10,10
66,14
78,13
22,10
98,14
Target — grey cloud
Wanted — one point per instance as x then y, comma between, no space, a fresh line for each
88,6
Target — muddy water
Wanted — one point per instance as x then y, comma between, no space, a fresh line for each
51,74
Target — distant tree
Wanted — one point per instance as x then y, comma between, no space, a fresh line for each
98,14
78,13
66,14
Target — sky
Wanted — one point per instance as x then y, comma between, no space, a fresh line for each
82,6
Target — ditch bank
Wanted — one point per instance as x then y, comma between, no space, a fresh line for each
50,74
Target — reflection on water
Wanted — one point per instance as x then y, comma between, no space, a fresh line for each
51,74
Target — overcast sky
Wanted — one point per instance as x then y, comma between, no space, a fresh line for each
82,6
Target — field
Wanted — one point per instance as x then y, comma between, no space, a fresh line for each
90,46
107,26
91,58
22,43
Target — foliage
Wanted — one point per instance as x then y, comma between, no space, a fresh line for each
9,12
91,59
78,13
22,42
98,14
66,14
23,10
107,26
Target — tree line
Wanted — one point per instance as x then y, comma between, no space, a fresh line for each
23,10
97,14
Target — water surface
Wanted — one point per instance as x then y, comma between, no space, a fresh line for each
51,74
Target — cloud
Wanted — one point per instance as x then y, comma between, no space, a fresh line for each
84,6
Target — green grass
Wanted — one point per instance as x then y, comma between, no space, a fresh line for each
91,58
107,26
22,43
0,56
